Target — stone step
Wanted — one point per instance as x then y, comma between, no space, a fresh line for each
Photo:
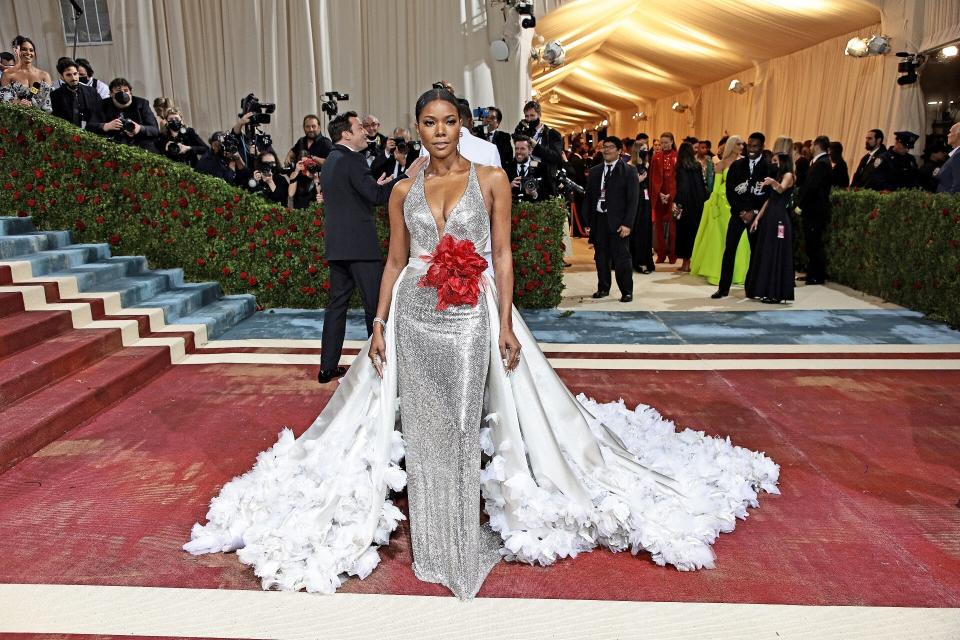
184,300
54,261
10,303
35,421
13,225
29,370
92,276
23,330
223,314
12,246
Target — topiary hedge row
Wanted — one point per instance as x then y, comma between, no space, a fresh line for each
902,246
144,204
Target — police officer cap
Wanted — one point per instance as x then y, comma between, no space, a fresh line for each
906,138
937,147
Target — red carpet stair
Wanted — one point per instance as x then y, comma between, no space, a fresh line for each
81,329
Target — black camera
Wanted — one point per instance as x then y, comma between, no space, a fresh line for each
524,129
329,106
567,186
126,124
261,110
529,187
172,149
230,144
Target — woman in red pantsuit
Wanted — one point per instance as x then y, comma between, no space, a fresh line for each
663,191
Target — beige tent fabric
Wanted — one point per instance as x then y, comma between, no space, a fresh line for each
208,54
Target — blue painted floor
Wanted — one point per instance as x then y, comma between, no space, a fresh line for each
879,326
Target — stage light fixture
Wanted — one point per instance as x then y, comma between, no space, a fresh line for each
875,45
554,98
679,108
640,116
949,52
552,54
738,87
499,50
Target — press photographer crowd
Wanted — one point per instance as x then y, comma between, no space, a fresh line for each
633,198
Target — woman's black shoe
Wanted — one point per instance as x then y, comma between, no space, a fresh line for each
323,377
769,301
600,294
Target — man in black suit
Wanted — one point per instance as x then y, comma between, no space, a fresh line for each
352,249
127,119
74,101
524,166
871,173
814,203
500,138
613,191
547,142
746,195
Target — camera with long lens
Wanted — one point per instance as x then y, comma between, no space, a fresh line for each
330,106
567,186
261,110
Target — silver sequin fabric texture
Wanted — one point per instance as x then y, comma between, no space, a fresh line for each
443,358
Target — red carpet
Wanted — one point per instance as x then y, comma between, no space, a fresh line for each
869,513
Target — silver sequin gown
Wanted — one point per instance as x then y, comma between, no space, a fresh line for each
442,359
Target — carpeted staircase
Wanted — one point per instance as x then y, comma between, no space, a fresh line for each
80,329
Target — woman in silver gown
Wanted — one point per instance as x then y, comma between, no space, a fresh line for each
563,475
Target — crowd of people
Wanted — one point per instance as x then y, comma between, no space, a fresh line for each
727,215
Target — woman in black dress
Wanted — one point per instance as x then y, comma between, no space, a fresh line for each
770,277
688,205
840,175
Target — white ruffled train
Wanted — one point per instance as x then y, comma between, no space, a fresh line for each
564,475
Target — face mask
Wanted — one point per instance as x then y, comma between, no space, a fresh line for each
122,98
533,124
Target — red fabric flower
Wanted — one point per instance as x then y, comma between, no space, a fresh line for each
454,271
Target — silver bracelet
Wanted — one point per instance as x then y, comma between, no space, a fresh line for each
380,321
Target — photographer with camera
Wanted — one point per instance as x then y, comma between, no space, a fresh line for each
253,139
179,142
528,176
224,159
304,189
127,119
267,180
313,144
548,143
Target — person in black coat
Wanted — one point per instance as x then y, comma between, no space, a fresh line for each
871,173
814,206
641,237
501,139
901,165
353,251
840,174
523,166
179,142
74,101
688,204
746,195
547,142
141,127
613,191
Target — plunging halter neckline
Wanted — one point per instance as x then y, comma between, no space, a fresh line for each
445,218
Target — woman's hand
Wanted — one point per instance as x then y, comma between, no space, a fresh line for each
509,349
756,223
378,351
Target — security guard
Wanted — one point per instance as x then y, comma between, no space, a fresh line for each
902,166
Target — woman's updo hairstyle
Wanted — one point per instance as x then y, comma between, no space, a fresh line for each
433,95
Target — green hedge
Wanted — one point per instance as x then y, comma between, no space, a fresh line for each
902,246
143,204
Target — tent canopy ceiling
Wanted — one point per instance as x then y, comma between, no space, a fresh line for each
622,55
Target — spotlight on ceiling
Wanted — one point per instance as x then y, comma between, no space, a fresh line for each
554,98
553,54
949,52
499,50
640,115
604,123
870,46
738,87
679,108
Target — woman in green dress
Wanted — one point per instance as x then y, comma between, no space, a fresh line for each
712,233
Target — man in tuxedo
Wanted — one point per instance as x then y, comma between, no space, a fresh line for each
352,249
814,206
524,166
141,127
746,195
613,192
375,151
500,138
74,101
948,180
547,142
871,173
